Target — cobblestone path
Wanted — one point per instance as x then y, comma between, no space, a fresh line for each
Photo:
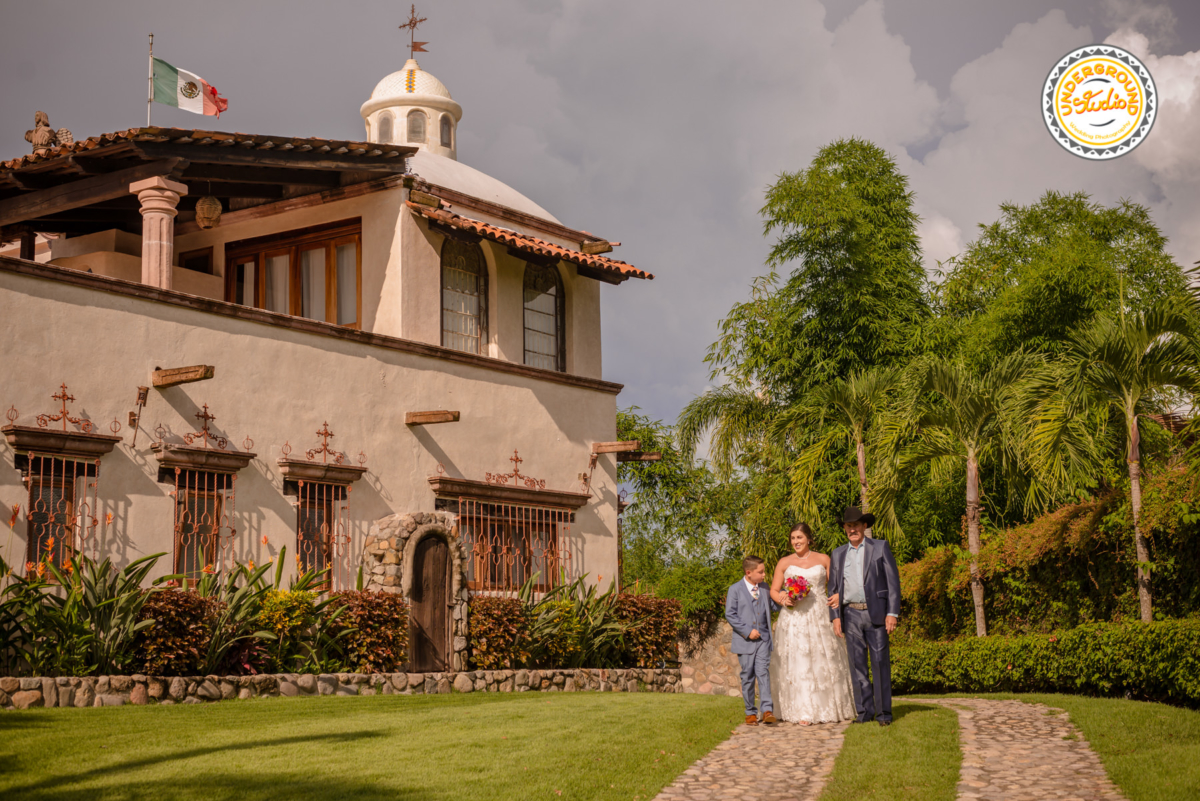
785,762
1025,752
1012,751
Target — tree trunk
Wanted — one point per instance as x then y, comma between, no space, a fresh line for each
1134,463
863,499
973,544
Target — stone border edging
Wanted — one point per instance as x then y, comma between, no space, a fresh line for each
90,691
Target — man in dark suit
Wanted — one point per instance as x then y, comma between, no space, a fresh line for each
864,605
748,608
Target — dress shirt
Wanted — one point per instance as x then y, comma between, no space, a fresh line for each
853,580
752,587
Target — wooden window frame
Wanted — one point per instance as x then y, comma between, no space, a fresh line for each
483,294
291,243
560,314
208,251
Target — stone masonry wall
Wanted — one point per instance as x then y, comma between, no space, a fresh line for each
708,667
387,551
90,691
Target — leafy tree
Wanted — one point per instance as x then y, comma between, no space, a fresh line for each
853,298
966,418
1043,270
1131,365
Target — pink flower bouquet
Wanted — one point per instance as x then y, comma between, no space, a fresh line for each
797,588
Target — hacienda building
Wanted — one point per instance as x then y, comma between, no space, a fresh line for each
361,356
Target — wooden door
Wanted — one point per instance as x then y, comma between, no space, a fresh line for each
430,618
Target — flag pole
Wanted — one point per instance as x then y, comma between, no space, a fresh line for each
150,83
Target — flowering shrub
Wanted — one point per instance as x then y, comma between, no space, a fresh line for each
652,625
1146,661
289,615
378,642
499,633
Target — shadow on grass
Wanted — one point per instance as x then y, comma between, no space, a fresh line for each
215,788
55,788
903,709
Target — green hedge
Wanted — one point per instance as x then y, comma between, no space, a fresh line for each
1145,661
653,627
503,634
499,633
378,642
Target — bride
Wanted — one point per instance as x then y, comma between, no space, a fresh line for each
810,673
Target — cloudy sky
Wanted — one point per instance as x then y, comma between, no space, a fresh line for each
656,123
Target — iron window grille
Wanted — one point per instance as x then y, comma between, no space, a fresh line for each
204,522
61,515
507,544
323,530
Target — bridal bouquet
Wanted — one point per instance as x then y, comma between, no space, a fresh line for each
797,588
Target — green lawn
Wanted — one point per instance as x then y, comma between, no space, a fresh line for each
915,759
486,746
1151,751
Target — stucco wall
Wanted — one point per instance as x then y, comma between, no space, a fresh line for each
277,385
401,274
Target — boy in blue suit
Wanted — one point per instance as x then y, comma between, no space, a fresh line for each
748,608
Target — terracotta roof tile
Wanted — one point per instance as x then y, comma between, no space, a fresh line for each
527,243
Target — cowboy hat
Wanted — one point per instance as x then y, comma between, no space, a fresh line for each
854,515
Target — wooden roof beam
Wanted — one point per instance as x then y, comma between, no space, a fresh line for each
181,375
429,418
311,160
84,192
616,447
259,175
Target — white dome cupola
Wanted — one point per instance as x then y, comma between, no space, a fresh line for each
411,107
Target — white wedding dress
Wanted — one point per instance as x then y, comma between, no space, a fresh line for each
810,674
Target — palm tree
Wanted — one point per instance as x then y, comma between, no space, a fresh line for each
967,419
1128,365
738,418
844,410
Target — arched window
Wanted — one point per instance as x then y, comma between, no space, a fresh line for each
446,132
464,296
384,134
545,313
416,126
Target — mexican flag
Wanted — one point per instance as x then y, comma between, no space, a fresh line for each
186,90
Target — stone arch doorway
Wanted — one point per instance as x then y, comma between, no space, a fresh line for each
430,599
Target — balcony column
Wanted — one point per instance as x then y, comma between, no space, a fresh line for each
159,198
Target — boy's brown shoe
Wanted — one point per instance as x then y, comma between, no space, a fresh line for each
751,720
769,719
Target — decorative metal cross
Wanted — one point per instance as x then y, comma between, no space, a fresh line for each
515,475
203,434
44,420
325,434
